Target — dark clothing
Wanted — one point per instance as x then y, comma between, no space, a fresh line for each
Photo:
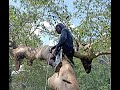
70,55
66,38
65,42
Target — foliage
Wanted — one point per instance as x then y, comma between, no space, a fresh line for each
95,17
32,78
35,78
94,27
98,79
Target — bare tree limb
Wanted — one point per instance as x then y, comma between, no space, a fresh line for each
90,56
89,53
78,55
102,53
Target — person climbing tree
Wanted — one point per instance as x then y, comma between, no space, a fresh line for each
65,42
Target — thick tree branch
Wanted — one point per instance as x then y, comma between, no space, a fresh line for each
85,51
102,53
86,58
78,55
89,56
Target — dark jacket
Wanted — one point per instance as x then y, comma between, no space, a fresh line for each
65,41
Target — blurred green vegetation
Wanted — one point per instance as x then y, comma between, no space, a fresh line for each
27,16
35,78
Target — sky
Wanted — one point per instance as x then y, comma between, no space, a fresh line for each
45,39
75,22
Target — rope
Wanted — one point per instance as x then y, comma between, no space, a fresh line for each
47,72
